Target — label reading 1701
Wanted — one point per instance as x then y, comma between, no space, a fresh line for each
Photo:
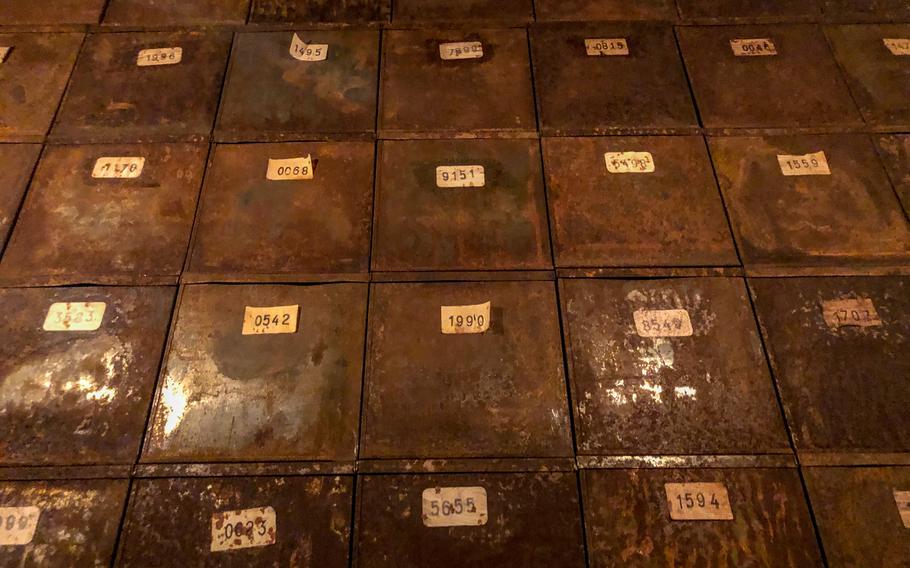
457,320
247,528
455,507
461,50
460,176
856,312
815,164
290,169
18,525
698,502
271,320
753,47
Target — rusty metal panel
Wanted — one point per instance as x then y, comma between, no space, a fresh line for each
18,162
876,76
76,523
320,11
422,95
251,225
533,520
672,216
644,90
729,11
112,99
799,87
605,10
78,397
33,76
501,393
147,13
225,396
703,390
844,387
850,217
863,10
504,11
895,153
171,522
271,95
498,226
858,516
31,13
75,228
627,520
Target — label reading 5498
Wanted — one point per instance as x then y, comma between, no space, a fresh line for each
454,507
698,502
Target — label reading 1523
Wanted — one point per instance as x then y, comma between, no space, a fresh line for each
74,316
270,320
454,507
460,176
698,502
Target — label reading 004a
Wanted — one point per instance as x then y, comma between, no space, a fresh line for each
457,320
159,56
662,323
815,164
270,320
454,507
290,169
604,47
74,316
121,167
756,47
461,50
898,46
303,51
247,528
460,176
698,502
629,162
856,312
18,525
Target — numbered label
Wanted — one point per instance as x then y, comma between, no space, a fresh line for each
18,525
271,320
629,162
458,320
902,498
455,507
67,316
662,323
698,502
752,47
461,50
898,46
460,176
806,165
607,47
159,56
303,51
118,167
290,169
249,528
859,312
4,51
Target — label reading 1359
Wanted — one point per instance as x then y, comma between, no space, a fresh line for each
454,507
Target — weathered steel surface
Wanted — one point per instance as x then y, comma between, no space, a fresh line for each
320,11
501,393
169,521
628,523
596,10
844,388
29,12
670,217
74,228
175,12
504,11
895,153
856,10
500,226
533,521
224,396
749,10
577,93
78,397
18,162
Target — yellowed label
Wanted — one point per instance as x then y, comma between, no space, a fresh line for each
159,56
607,46
248,528
461,50
74,316
460,176
290,169
18,525
805,165
698,502
897,46
270,320
662,323
124,167
858,312
457,320
629,162
752,47
902,498
303,51
4,51
455,507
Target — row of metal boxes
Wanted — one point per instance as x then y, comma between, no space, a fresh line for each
588,79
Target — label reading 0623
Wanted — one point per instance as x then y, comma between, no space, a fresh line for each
454,507
270,320
698,502
247,528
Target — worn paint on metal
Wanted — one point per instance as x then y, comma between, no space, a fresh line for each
864,10
605,10
320,11
749,11
18,162
445,11
63,12
150,13
895,153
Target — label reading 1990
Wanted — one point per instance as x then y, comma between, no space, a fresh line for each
698,502
290,169
455,507
248,528
815,164
461,50
457,320
4,51
74,316
460,176
270,320
303,51
856,312
752,47
122,167
607,47
159,56
902,498
662,323
18,525
898,46
629,162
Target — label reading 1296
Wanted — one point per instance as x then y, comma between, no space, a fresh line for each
460,176
455,507
662,323
461,50
629,162
902,498
856,312
815,164
290,169
18,525
898,46
698,502
74,316
303,51
248,528
605,47
159,56
270,320
752,47
124,167
457,320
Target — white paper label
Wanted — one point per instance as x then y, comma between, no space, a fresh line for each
74,316
4,51
290,169
159,56
18,525
902,498
857,312
897,46
461,50
662,323
249,528
698,502
607,46
806,165
457,320
271,320
752,47
455,507
125,167
303,51
629,162
460,176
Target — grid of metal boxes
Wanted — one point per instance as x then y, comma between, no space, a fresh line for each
530,283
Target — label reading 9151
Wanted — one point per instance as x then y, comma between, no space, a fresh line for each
454,507
460,176
18,525
698,502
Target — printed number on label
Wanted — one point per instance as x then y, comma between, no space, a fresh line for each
858,312
698,502
303,51
454,507
460,176
899,46
815,164
159,56
461,50
629,162
248,528
752,47
18,525
902,498
607,46
662,323
118,167
290,169
465,319
67,316
271,320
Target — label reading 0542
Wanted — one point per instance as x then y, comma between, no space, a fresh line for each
270,320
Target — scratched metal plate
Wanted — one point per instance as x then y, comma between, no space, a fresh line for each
501,393
671,217
604,10
62,12
895,153
175,12
18,162
320,11
533,520
504,11
844,389
111,99
169,521
78,397
861,10
728,11
77,229
581,94
77,523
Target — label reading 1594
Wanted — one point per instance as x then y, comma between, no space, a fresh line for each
698,502
454,507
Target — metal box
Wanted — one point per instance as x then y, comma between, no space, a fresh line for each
635,201
522,520
150,13
895,153
253,227
601,10
498,221
271,95
287,521
766,77
748,11
859,10
63,12
18,163
76,228
499,393
320,11
133,87
502,11
608,78
78,396
486,92
287,391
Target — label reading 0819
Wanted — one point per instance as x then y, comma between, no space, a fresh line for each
606,47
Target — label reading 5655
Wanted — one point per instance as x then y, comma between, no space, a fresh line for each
18,525
248,528
290,169
460,176
458,320
455,507
271,320
698,502
74,316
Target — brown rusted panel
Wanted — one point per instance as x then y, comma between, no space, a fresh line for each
18,162
859,10
505,11
628,523
320,11
501,393
74,228
251,225
170,521
850,217
844,388
77,522
425,96
31,13
271,95
596,10
533,520
800,87
147,13
112,99
78,397
729,11
500,226
858,516
895,153
672,216
644,91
